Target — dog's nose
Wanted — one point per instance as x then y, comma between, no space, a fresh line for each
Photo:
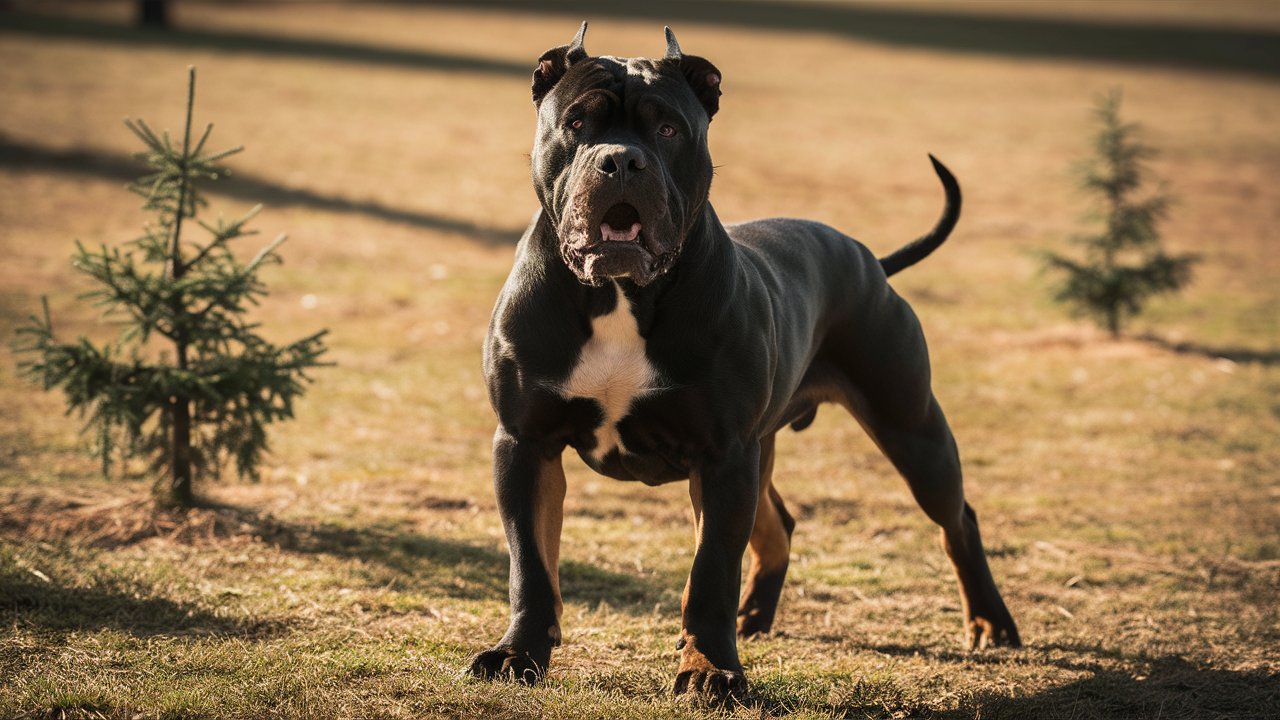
618,160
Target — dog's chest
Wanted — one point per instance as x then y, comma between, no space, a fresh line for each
613,370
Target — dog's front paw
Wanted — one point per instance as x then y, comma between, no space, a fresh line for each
716,686
510,664
700,679
998,631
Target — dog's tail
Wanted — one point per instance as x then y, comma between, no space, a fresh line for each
918,250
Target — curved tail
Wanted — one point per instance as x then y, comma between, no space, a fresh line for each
914,252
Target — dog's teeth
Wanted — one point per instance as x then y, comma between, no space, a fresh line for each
608,234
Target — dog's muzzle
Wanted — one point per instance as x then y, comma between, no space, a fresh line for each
618,224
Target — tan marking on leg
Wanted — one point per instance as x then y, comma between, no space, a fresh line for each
691,658
548,518
987,619
770,544
696,672
695,499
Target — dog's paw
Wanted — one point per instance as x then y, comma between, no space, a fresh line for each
718,687
509,664
983,633
752,625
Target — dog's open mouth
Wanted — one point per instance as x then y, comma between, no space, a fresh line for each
621,223
619,250
615,244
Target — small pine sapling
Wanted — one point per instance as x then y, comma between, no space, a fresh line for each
189,383
1124,262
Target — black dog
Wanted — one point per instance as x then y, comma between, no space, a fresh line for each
662,345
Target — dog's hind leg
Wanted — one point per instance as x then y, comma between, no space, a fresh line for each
888,390
770,547
927,458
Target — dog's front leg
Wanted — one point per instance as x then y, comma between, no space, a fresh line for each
529,483
724,495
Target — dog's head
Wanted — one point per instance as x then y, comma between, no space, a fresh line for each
620,160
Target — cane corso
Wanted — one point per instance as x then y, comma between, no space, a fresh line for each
662,345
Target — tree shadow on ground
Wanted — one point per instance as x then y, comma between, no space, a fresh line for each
399,559
389,556
113,602
179,38
1234,354
241,186
1255,51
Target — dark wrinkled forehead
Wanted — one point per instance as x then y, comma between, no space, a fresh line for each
625,77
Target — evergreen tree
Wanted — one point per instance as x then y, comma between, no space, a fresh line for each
189,383
1124,262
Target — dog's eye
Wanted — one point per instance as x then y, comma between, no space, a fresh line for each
667,130
576,123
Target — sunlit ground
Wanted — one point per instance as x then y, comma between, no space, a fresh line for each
1127,489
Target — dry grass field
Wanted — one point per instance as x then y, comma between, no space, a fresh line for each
1128,489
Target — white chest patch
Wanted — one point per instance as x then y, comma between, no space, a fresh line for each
613,370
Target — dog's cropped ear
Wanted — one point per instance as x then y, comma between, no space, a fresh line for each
555,62
703,77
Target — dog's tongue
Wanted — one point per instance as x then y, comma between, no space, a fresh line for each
608,234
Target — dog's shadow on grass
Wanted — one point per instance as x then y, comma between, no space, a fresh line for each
1164,687
1114,684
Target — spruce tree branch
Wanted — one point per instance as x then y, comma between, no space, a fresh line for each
144,133
221,155
219,240
264,253
203,137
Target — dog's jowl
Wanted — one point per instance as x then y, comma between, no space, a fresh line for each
661,346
